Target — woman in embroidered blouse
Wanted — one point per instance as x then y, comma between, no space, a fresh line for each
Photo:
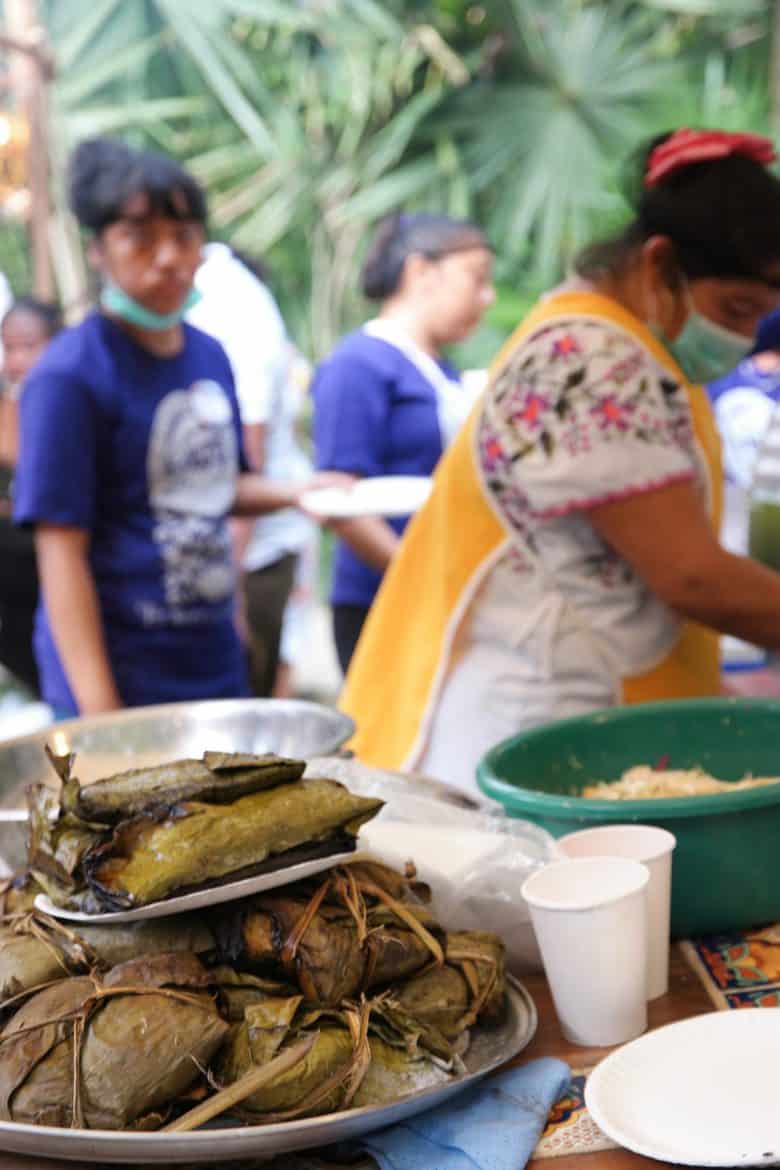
386,402
567,558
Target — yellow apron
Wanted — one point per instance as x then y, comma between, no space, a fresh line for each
408,640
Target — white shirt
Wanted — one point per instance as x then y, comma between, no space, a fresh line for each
238,310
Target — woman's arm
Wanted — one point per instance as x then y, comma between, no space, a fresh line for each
666,537
370,538
9,430
256,495
73,611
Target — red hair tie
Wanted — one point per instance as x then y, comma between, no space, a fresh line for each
692,146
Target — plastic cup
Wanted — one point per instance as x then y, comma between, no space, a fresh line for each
590,919
653,847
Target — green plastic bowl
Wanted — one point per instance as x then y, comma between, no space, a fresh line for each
726,868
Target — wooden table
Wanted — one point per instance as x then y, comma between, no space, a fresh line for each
686,997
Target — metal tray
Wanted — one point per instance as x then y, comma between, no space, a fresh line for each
491,1047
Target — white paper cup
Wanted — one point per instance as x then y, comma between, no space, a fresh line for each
590,918
653,847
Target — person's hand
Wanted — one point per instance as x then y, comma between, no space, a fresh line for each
330,479
324,479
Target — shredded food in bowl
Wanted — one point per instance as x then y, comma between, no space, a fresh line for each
645,783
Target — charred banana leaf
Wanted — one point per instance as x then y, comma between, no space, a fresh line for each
470,985
219,778
192,844
58,842
110,1054
334,941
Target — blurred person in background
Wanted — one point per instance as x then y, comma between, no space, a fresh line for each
568,558
386,401
238,309
26,329
131,459
744,401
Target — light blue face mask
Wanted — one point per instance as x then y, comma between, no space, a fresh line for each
116,301
706,351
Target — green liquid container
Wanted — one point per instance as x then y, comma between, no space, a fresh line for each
764,528
764,531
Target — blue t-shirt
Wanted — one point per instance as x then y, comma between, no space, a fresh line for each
143,453
374,414
743,402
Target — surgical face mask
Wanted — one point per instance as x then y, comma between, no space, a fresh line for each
116,301
704,350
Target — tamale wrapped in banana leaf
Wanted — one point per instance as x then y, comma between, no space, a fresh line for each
219,778
160,853
34,951
119,943
470,985
140,1038
334,1073
395,1072
334,940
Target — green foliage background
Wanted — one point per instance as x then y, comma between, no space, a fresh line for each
307,120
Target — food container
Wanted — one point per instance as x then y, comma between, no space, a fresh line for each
726,869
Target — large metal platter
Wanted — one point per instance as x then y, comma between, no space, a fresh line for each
154,735
491,1047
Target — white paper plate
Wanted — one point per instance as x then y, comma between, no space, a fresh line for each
701,1092
211,897
491,1045
380,495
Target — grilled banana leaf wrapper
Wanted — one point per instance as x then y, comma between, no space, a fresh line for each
111,1053
219,778
360,1056
469,985
36,949
66,825
192,844
362,928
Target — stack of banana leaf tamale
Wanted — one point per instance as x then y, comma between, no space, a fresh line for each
131,1025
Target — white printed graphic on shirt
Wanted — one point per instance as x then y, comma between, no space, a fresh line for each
192,464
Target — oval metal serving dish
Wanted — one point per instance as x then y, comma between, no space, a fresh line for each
120,740
491,1047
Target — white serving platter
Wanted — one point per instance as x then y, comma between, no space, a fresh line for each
491,1047
380,495
198,899
700,1092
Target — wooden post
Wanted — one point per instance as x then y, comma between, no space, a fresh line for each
30,72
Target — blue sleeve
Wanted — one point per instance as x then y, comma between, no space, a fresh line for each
243,462
351,409
56,478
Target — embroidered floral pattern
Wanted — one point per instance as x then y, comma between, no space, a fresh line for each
567,396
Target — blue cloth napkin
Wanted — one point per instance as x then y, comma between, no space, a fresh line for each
493,1126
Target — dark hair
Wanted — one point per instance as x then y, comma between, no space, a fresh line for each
722,215
104,174
47,313
400,236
